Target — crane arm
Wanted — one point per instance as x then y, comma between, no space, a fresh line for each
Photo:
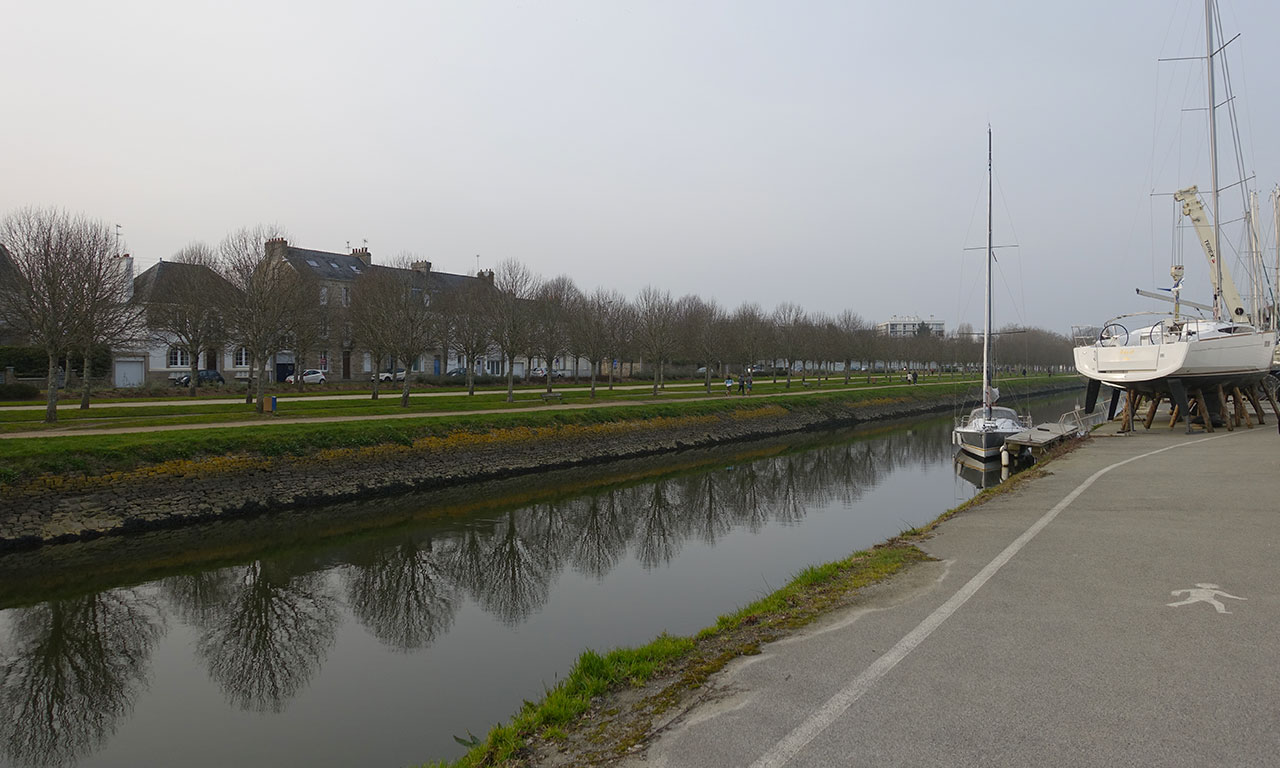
1229,297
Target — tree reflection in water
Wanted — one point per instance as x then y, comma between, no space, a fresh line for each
516,573
403,594
270,636
69,670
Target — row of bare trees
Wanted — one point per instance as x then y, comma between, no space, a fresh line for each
67,294
71,289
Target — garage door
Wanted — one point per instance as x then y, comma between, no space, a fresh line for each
130,373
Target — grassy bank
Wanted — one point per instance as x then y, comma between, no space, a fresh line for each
23,459
584,721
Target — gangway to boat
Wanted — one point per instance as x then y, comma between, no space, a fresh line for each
1038,440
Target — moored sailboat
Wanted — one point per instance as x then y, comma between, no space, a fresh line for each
982,433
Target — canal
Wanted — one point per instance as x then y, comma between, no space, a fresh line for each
375,633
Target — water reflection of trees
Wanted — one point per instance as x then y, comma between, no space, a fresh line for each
69,670
402,594
268,635
509,565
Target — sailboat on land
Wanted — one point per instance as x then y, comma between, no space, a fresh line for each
1175,354
982,433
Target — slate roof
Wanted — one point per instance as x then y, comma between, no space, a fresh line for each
347,268
156,283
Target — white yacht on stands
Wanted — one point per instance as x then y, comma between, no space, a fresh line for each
1173,354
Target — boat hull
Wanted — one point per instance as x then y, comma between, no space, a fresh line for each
1237,360
983,443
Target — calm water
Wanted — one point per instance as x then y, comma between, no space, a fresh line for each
429,616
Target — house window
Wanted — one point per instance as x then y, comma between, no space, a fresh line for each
179,358
324,294
313,262
241,358
346,296
324,361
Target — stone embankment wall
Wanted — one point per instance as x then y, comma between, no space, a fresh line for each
62,508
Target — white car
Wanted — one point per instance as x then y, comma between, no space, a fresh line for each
388,375
309,376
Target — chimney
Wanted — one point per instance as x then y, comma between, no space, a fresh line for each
277,247
126,266
421,266
486,275
363,255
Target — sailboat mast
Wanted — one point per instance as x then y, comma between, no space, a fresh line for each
1213,159
986,328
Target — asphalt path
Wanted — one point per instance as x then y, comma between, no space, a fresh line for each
282,397
1122,610
281,420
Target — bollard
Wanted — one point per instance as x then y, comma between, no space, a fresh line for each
273,405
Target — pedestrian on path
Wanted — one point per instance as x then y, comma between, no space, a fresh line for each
742,385
728,385
749,383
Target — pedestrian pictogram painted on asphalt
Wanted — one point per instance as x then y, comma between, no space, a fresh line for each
1203,593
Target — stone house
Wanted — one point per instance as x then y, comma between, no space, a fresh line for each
336,275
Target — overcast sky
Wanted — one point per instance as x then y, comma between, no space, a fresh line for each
832,154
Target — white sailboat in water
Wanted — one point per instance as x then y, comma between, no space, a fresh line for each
982,433
1175,354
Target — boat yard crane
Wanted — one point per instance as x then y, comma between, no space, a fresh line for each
1225,295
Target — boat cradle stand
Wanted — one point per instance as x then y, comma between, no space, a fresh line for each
1212,406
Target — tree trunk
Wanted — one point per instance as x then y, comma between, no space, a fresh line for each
593,381
706,376
84,392
511,378
404,392
848,369
471,375
195,370
51,402
248,385
298,368
262,385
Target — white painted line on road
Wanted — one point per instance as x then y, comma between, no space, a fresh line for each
828,713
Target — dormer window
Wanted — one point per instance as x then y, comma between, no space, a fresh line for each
334,264
313,262
355,269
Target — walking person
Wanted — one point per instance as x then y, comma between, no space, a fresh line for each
728,385
748,383
742,384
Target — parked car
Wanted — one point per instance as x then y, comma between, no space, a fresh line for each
561,374
309,376
202,377
398,375
537,373
456,372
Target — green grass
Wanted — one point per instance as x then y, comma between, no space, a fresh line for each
692,659
27,457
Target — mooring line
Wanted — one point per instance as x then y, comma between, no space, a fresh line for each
829,712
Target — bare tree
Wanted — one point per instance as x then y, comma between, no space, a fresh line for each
184,308
702,333
107,318
371,319
508,314
852,330
589,328
258,311
790,320
550,326
472,329
655,329
752,331
42,302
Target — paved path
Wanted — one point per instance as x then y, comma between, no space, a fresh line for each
1044,634
280,420
386,392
